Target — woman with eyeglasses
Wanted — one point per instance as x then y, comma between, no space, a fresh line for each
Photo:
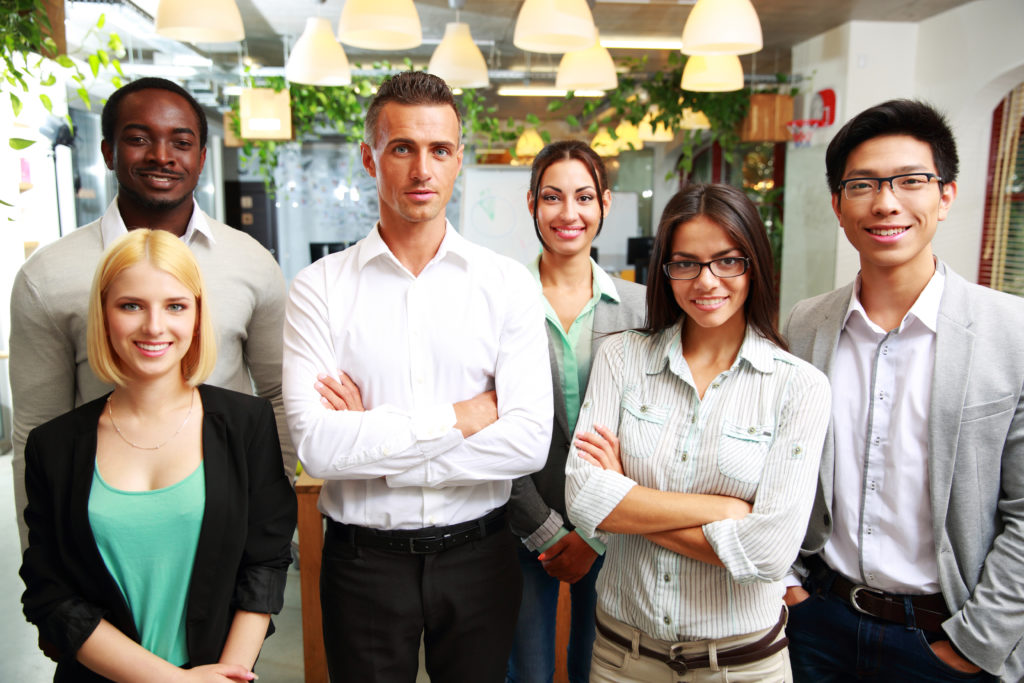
697,452
160,519
568,199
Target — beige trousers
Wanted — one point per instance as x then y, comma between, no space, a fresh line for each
613,663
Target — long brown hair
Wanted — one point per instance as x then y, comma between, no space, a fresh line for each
729,208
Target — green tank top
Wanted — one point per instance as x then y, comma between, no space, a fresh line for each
148,541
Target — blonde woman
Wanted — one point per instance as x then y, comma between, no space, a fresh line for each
160,518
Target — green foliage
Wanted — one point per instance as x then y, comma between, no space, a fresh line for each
340,112
638,93
24,26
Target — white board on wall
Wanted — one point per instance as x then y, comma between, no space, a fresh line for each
494,213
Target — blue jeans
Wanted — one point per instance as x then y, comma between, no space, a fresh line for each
829,642
533,651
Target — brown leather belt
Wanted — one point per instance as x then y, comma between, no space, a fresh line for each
929,610
745,654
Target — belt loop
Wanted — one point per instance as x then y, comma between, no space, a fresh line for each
713,655
908,611
635,646
482,523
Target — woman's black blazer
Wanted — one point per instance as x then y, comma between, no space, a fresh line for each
244,544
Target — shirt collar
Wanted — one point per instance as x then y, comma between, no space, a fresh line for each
925,308
757,351
373,246
604,285
112,225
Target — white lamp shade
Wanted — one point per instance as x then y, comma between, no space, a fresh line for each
695,120
722,27
457,60
603,144
200,21
627,137
590,69
318,58
529,144
554,26
265,114
654,133
714,73
380,25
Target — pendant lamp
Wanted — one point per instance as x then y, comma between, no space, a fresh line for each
529,144
318,58
694,120
200,21
627,137
649,132
265,114
714,73
722,27
457,60
589,69
554,26
380,25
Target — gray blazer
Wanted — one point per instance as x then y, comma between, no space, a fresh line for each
540,497
976,460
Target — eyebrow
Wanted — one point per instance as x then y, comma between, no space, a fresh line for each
578,189
145,128
720,254
414,143
868,173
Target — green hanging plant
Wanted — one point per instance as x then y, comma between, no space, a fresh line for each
30,57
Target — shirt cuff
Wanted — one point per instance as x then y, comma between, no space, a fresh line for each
791,580
603,491
595,543
724,540
434,422
559,535
542,536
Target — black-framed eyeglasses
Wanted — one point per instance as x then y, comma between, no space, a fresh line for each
730,266
903,184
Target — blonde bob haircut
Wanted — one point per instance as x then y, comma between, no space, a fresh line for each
162,250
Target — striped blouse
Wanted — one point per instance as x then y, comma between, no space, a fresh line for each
756,435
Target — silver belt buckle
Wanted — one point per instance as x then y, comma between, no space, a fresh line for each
853,598
675,659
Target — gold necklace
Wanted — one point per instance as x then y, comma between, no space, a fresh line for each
110,412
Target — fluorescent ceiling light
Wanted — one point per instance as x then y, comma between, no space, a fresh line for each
543,91
641,43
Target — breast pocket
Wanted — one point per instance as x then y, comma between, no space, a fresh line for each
742,450
641,426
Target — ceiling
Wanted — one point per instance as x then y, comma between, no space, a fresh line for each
272,25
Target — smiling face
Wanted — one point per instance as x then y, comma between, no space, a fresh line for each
569,207
151,321
708,301
893,231
415,160
155,154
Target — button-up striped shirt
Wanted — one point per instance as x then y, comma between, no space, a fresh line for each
756,435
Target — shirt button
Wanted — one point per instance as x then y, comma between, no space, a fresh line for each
751,430
685,456
667,620
643,409
668,578
715,385
693,418
797,450
881,395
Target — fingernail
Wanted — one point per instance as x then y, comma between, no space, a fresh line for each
542,556
323,400
319,385
321,376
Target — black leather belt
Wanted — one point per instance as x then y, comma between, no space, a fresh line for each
929,610
431,539
674,659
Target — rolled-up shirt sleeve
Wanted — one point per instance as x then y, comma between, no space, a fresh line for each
591,493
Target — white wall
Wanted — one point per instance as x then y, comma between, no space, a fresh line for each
963,61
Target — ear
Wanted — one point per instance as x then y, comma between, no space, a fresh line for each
837,207
946,199
606,200
108,154
367,156
458,155
202,161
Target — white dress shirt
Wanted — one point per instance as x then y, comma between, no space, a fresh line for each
756,434
881,507
471,321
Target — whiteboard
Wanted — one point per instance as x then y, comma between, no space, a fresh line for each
493,212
